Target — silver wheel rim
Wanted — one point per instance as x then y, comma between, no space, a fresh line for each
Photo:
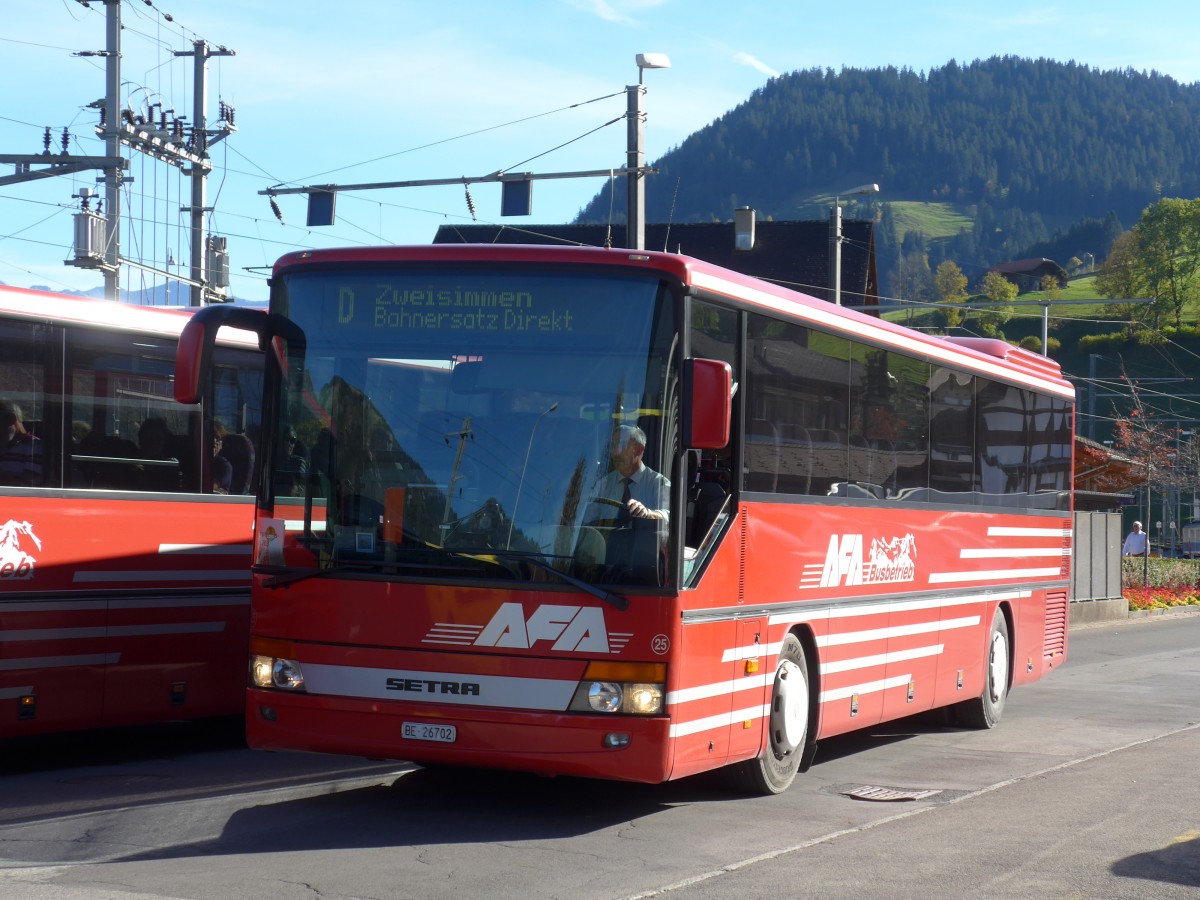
997,667
789,715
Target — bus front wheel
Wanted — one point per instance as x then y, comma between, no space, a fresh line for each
985,710
787,728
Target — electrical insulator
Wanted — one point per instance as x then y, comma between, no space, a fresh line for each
275,209
46,140
470,202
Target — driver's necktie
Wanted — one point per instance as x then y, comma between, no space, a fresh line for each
624,513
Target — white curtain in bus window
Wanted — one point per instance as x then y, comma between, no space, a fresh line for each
130,433
27,403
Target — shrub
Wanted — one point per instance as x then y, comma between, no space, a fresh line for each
1091,343
1172,574
1160,583
1034,343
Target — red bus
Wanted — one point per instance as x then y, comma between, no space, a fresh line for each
124,590
832,521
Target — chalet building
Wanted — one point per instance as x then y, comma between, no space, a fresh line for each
794,254
1027,274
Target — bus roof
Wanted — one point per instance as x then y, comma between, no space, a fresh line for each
992,358
167,321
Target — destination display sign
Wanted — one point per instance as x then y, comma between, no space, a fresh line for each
484,307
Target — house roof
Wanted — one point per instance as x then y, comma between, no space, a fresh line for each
1033,268
1101,469
795,253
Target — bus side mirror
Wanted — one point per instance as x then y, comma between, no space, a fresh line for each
193,356
710,384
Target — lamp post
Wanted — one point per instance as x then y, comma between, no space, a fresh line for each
635,224
835,234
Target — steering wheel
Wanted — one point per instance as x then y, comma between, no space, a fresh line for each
617,517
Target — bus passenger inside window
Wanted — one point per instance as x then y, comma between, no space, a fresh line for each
20,452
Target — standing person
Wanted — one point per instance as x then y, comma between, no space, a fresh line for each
1135,543
20,452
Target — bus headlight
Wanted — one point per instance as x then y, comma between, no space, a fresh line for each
604,696
276,672
644,699
632,689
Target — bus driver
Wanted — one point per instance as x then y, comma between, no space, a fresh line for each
641,492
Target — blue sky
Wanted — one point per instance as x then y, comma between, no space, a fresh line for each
393,90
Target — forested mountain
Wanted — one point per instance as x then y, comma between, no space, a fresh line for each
1028,150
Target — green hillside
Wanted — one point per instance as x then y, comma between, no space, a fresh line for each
991,160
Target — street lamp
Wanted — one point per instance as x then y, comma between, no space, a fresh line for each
635,226
835,234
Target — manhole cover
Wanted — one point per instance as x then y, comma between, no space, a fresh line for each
888,795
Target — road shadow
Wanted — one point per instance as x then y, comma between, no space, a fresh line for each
1177,863
935,721
444,806
119,746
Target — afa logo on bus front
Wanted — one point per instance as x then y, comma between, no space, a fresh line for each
16,564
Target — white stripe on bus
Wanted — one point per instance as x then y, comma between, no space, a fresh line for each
993,574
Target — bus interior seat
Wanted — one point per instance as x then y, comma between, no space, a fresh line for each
116,475
706,495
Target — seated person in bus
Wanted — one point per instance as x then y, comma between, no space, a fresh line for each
154,440
238,449
222,471
292,468
635,489
20,452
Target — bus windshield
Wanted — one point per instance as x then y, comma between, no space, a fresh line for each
481,423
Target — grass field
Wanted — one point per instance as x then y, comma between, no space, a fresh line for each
934,220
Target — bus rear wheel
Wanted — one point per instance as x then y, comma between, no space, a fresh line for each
985,710
775,769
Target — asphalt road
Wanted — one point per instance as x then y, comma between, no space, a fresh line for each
1090,787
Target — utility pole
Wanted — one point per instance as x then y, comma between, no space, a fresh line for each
113,175
201,285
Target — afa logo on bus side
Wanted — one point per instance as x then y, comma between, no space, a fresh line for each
847,562
16,540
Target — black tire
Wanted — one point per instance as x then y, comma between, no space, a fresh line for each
787,728
985,710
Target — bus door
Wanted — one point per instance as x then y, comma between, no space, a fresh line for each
750,674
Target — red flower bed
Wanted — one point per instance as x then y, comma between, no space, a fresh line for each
1160,597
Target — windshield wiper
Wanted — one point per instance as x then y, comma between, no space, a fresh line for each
617,600
283,580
